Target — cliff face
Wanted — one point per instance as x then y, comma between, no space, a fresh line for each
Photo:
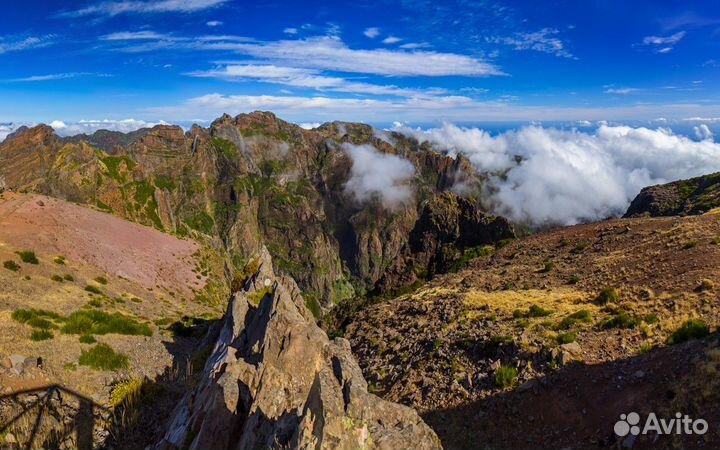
684,197
274,381
256,180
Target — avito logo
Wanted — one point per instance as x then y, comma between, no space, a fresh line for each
680,424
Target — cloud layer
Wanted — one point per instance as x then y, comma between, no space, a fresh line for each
379,175
567,177
138,7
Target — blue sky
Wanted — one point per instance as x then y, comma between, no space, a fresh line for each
415,61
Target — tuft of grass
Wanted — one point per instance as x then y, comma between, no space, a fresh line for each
620,320
101,280
57,278
257,296
582,316
646,347
548,267
68,277
690,329
36,318
87,339
607,295
574,279
533,311
715,241
11,265
126,392
59,260
100,322
103,357
706,285
41,335
28,256
566,338
93,289
689,245
505,376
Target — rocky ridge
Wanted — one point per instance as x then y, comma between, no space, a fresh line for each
274,381
684,197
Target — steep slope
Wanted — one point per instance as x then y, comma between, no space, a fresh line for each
684,197
256,180
275,381
518,348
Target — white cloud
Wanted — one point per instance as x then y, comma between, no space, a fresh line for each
309,125
567,177
134,36
621,91
307,78
379,175
435,109
213,23
372,32
664,44
703,133
290,31
331,53
391,40
544,41
702,119
415,45
110,8
14,44
51,77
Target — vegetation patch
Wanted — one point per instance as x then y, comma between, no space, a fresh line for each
256,297
201,222
87,339
607,295
505,376
690,329
582,316
100,322
313,305
226,148
11,265
93,289
126,392
57,278
101,280
103,357
566,338
28,256
41,335
59,260
470,254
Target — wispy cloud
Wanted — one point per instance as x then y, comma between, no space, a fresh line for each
213,23
290,31
391,40
110,8
308,78
621,91
664,44
134,36
14,44
372,32
544,41
52,77
331,53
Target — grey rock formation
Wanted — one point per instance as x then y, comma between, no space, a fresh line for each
275,381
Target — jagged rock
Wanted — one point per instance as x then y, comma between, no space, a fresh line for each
275,380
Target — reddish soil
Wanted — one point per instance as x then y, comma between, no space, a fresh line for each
139,253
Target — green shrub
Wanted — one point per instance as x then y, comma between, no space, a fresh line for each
582,316
28,256
650,318
101,280
537,311
646,347
706,285
87,339
257,296
690,329
68,277
313,305
41,335
100,322
36,318
57,278
607,295
505,376
566,338
574,279
548,267
103,357
689,245
11,265
620,320
59,260
93,289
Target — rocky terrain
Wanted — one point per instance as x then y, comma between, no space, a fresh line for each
274,380
256,180
684,197
519,347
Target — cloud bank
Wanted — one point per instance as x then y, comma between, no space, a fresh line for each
379,175
566,177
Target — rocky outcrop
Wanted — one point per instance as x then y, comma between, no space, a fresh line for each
275,381
255,180
684,197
